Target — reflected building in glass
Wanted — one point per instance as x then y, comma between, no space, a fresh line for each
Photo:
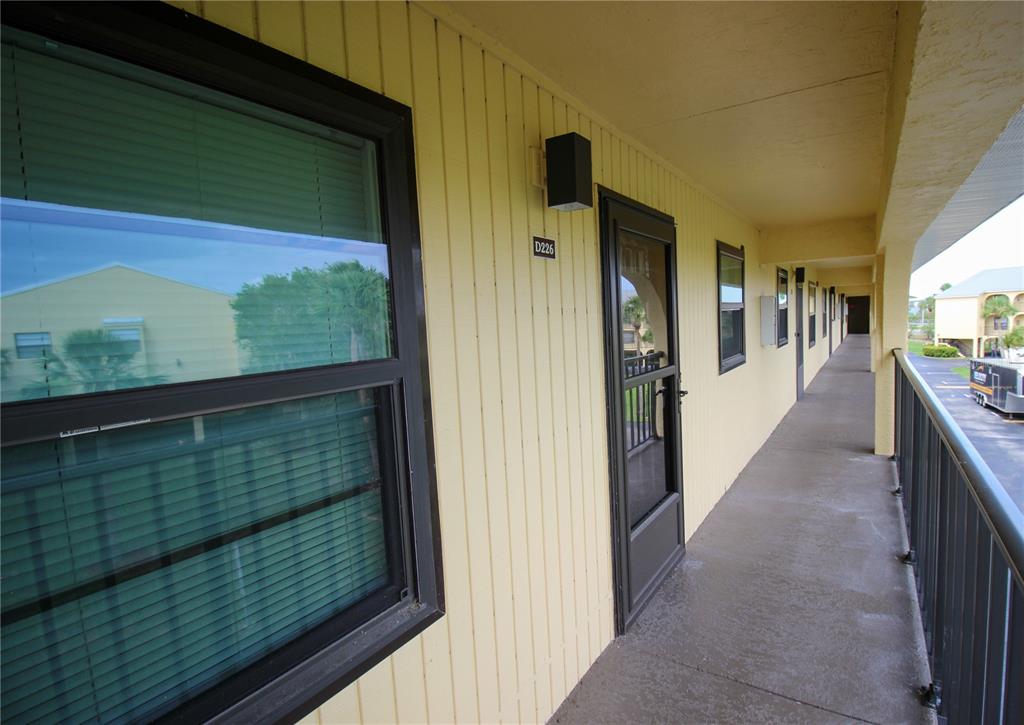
115,327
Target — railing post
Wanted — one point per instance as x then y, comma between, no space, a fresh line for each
966,541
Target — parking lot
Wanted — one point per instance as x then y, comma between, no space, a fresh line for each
999,439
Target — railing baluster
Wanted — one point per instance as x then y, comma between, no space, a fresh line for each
1014,685
967,537
977,667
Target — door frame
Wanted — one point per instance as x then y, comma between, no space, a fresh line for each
842,317
626,610
798,298
830,295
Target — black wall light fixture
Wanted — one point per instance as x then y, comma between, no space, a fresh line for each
570,182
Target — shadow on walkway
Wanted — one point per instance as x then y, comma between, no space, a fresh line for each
791,604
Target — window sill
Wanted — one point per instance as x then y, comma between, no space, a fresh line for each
732,363
315,680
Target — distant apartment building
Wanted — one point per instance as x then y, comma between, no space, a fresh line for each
96,330
960,317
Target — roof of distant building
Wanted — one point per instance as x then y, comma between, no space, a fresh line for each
1007,279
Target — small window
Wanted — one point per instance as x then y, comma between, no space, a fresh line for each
825,312
832,302
812,306
629,337
128,339
217,474
31,345
782,291
731,338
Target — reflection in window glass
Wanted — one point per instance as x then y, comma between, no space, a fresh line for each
164,233
129,300
643,292
782,287
812,305
731,346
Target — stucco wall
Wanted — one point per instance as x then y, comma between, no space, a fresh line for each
957,318
522,457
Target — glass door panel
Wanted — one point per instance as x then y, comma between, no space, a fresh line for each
643,385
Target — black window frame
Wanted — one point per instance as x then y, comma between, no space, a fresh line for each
781,311
832,303
812,311
311,668
738,253
827,311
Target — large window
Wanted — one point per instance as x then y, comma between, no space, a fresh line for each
216,458
731,343
812,307
782,307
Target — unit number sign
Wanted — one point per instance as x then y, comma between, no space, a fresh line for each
543,247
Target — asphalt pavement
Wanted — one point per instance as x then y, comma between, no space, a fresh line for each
998,438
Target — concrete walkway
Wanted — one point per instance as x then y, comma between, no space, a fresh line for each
790,605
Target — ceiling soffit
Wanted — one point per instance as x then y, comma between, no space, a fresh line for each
777,108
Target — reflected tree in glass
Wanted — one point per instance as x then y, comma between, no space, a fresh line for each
89,361
634,313
314,317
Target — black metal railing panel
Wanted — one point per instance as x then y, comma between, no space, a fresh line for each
640,399
967,549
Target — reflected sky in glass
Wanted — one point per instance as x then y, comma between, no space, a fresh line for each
42,243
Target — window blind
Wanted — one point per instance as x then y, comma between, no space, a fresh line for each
143,564
83,137
246,240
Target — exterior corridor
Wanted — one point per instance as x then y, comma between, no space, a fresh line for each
790,604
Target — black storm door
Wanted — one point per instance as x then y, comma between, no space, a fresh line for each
638,256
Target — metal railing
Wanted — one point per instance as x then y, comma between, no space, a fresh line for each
967,549
640,399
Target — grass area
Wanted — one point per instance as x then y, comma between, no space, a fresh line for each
915,346
632,414
962,370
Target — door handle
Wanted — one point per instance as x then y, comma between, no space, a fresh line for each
683,394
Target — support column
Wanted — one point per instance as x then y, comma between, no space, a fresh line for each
894,268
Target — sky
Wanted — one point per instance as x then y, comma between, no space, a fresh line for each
998,242
42,243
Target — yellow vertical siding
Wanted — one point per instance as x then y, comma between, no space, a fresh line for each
516,360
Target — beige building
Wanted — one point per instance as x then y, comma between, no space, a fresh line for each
454,530
132,312
959,310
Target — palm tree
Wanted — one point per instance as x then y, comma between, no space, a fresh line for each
998,307
90,361
1014,338
634,313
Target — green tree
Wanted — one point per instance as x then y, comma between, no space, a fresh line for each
945,286
89,361
314,317
998,307
1014,338
634,313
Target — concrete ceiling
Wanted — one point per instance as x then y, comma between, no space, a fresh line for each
777,108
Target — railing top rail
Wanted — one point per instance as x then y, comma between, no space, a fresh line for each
1005,519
